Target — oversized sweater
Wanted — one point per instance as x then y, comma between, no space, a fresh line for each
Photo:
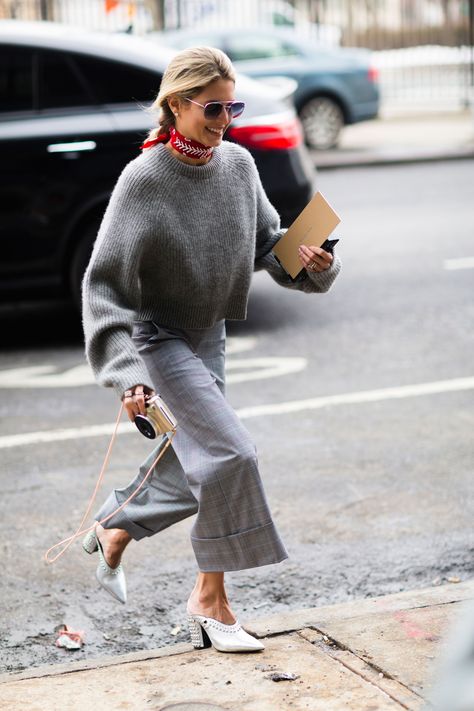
177,245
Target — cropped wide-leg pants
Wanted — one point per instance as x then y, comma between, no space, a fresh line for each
211,467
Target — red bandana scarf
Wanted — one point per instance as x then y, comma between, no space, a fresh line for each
185,146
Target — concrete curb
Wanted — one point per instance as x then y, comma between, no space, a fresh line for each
317,619
334,161
406,137
96,663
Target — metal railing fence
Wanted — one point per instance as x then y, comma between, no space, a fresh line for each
423,48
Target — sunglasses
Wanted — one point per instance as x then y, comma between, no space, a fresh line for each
213,109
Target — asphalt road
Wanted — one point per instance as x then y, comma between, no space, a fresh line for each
369,473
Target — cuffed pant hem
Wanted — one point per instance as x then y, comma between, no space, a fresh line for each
249,549
121,520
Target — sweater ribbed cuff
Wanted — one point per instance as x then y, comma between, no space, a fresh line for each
129,377
324,280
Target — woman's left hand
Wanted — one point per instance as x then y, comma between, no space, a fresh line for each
314,259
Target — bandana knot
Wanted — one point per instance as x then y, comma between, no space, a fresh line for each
185,146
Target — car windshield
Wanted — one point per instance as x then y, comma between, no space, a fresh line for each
250,46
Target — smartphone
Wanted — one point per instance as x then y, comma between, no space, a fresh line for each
329,245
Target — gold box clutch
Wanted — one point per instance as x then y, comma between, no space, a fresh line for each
158,419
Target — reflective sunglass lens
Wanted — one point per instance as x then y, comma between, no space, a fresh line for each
213,109
237,108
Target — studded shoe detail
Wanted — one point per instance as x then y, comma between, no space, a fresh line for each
111,579
205,631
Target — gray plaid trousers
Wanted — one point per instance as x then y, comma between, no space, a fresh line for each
211,468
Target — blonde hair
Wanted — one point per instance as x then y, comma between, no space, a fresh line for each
188,73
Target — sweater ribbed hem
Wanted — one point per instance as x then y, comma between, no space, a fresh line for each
190,316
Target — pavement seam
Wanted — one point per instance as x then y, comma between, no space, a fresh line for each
339,646
438,604
407,609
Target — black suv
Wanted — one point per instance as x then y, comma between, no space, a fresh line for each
71,117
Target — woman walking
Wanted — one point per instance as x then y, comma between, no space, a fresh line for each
186,225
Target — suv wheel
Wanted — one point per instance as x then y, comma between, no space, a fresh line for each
322,120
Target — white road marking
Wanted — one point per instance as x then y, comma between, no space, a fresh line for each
355,398
43,376
263,368
239,344
461,263
64,434
404,391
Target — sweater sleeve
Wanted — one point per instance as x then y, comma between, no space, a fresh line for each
268,234
110,288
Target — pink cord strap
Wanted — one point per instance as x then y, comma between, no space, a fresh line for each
80,531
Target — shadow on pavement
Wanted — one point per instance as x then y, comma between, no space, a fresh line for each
45,323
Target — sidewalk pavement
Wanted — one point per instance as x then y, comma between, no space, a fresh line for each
402,138
373,654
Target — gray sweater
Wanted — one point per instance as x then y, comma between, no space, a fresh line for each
177,245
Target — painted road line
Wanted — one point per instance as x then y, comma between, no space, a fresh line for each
358,398
355,398
461,263
45,376
239,344
61,435
261,368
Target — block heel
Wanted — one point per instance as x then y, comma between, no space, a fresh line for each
199,637
89,542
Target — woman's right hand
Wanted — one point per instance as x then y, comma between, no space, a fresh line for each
134,400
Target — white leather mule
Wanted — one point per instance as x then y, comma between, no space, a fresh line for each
205,631
111,579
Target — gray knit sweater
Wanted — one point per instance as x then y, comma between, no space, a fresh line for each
177,245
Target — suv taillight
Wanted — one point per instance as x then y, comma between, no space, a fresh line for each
373,74
268,135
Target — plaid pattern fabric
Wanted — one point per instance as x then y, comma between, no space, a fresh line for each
211,468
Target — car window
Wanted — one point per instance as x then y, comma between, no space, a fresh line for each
278,19
114,82
259,47
16,79
195,40
60,84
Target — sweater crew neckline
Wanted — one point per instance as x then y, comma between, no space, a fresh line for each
178,167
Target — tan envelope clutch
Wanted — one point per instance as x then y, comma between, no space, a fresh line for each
312,227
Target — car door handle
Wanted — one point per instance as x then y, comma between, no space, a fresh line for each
72,147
